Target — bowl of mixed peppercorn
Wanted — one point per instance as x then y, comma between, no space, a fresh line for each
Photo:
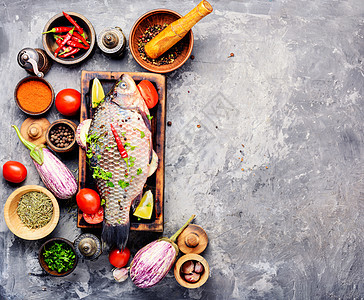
57,257
60,135
69,38
146,28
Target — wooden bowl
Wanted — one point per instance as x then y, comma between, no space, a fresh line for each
159,17
50,44
15,224
43,264
55,124
178,274
25,110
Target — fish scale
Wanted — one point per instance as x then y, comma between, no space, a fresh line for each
120,181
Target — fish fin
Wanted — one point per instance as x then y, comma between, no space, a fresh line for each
145,119
116,234
136,201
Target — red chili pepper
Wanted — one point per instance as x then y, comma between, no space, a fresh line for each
77,44
64,42
64,48
119,143
73,51
59,29
73,38
81,38
69,18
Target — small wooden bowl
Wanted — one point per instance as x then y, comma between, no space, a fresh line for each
55,124
15,224
177,271
33,78
43,263
50,44
159,17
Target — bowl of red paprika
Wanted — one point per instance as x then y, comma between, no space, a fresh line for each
69,38
34,95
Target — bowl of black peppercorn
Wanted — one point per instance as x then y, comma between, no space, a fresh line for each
60,135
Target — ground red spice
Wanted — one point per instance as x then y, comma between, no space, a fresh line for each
34,96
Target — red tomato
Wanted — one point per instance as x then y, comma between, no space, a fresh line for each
119,258
14,171
94,218
88,201
148,92
68,102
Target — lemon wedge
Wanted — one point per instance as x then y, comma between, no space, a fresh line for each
97,93
145,208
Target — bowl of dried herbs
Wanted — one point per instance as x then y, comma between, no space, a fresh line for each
31,212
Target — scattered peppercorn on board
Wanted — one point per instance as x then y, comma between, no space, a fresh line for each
155,183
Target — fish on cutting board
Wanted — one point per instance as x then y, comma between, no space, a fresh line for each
119,147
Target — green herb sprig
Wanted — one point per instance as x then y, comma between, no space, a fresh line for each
59,257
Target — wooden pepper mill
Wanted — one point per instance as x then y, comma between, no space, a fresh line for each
176,31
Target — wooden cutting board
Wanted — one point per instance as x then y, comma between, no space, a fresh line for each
155,183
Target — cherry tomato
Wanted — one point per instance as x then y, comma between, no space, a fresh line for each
14,171
88,201
119,258
68,102
94,218
148,92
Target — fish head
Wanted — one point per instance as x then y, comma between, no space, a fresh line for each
125,92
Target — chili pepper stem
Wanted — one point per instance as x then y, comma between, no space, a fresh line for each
174,237
36,152
52,30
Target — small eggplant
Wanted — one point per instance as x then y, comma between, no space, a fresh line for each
152,263
54,173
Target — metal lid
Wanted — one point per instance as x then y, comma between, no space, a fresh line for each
111,40
88,246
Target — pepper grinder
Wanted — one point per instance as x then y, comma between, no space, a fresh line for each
112,42
88,246
34,61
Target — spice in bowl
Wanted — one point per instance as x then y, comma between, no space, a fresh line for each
165,59
35,209
34,96
61,136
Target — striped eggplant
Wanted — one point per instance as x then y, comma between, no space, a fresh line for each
153,262
54,173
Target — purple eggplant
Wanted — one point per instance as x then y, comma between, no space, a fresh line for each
152,263
54,173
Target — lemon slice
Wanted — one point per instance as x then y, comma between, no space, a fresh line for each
97,93
145,207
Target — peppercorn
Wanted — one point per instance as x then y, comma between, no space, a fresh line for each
61,136
169,123
168,57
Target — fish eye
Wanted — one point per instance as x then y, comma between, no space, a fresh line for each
123,85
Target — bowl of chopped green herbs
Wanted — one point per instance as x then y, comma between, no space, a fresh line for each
58,257
31,212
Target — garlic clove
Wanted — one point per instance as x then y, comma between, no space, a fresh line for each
188,267
192,278
121,274
198,267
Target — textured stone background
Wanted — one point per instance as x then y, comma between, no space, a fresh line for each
274,173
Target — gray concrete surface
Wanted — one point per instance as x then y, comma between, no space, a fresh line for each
274,173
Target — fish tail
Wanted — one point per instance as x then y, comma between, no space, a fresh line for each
116,234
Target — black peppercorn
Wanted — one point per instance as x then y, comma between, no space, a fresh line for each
61,136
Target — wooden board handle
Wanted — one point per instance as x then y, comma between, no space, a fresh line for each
176,30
